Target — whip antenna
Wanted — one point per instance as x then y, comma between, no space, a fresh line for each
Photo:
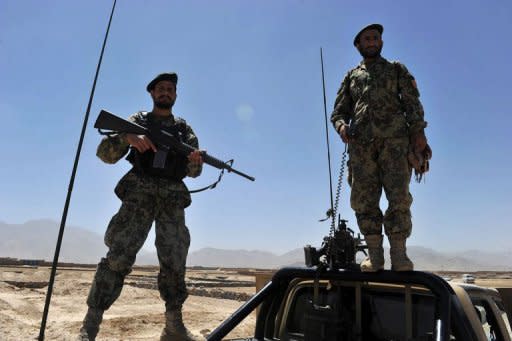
332,212
327,136
70,188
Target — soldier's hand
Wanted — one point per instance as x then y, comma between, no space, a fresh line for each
195,158
140,142
343,131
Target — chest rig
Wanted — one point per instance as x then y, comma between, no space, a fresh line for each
165,162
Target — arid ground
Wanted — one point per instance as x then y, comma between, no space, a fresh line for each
138,313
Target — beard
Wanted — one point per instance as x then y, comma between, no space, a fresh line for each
164,104
370,53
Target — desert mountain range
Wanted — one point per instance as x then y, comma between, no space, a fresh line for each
36,240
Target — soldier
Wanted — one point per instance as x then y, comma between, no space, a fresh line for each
378,113
152,190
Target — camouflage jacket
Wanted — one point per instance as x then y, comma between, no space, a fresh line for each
378,101
112,149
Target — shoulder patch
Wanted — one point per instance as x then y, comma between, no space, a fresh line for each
414,85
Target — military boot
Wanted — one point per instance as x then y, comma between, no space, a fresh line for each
174,329
375,260
399,259
91,324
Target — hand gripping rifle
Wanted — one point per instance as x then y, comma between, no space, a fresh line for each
160,137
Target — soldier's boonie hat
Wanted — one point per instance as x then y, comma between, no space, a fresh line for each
167,76
377,27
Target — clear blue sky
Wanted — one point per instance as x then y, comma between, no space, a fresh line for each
250,86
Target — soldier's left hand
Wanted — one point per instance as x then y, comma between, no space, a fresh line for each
195,157
419,141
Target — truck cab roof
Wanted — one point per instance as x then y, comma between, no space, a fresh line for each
306,304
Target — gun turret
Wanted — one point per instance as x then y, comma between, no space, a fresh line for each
338,251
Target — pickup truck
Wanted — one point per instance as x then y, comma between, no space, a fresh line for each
307,304
467,278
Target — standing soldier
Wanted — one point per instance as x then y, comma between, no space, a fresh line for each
379,114
152,190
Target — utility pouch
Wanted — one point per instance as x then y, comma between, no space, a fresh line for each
160,157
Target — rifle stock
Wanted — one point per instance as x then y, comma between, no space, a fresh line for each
113,123
109,121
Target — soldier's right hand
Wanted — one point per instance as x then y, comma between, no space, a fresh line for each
140,142
343,131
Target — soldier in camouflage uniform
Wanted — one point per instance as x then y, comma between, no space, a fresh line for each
378,113
152,191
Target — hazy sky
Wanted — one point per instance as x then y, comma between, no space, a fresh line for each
250,86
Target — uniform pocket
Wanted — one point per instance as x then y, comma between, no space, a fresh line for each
127,182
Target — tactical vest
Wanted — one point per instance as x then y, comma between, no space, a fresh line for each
164,163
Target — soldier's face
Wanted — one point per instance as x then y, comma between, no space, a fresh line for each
164,94
370,44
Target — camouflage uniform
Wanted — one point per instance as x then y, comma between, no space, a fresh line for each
380,103
144,199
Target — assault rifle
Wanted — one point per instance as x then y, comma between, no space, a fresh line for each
160,137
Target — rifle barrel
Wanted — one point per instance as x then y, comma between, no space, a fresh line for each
230,169
212,161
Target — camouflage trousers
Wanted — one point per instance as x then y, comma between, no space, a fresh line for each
374,166
145,200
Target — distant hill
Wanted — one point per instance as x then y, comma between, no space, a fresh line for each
424,259
36,240
211,257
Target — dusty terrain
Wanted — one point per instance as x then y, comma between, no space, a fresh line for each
138,313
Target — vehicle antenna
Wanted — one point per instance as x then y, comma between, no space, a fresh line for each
331,211
70,187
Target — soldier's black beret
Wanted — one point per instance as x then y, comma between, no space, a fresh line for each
167,76
377,27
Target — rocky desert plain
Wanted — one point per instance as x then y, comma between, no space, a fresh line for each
214,294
